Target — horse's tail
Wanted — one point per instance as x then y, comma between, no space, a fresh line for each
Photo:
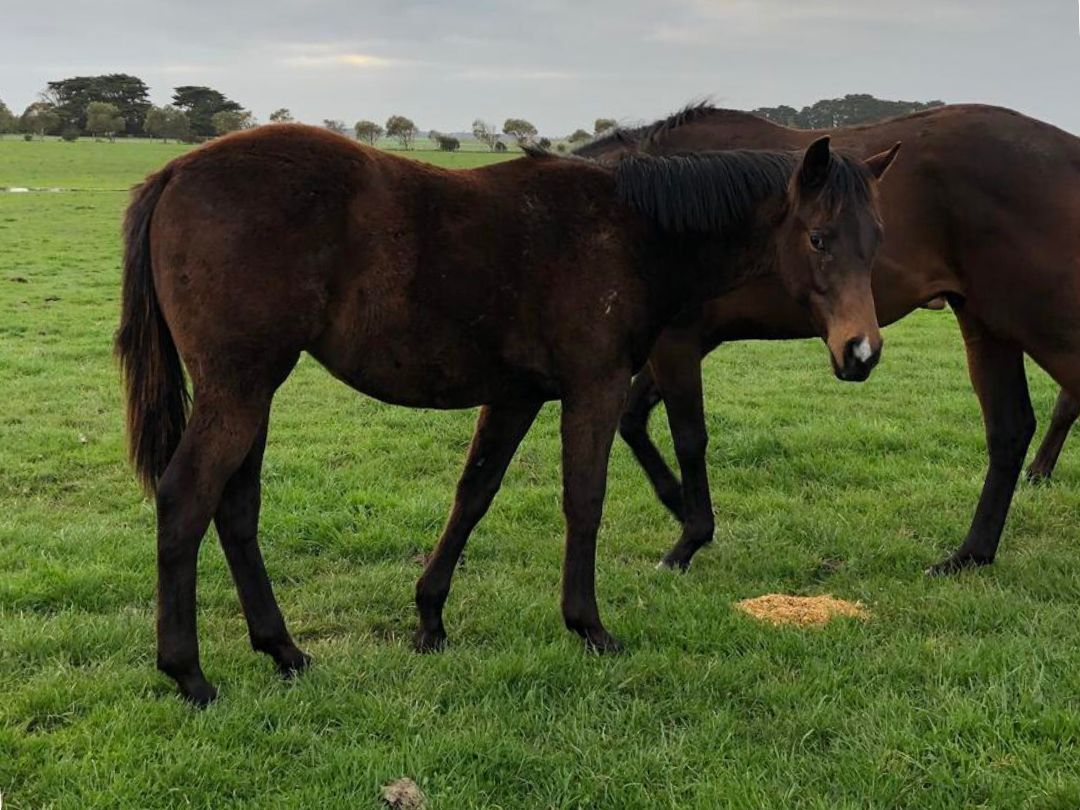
157,396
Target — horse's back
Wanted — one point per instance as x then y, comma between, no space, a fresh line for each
414,284
251,232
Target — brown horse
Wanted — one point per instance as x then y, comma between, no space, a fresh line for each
984,211
539,279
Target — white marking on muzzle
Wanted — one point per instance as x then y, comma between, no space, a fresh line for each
863,351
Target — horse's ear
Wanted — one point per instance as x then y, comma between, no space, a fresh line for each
814,169
880,163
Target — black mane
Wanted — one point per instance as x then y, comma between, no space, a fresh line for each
689,114
711,191
703,191
619,136
647,134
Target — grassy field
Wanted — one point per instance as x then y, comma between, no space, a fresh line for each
954,693
89,165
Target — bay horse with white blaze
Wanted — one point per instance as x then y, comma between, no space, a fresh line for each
985,210
543,278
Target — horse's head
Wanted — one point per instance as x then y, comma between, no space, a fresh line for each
830,234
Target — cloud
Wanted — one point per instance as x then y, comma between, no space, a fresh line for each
355,60
782,14
497,73
181,69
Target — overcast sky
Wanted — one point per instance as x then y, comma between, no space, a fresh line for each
558,63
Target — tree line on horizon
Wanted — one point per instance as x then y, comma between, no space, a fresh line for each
830,113
118,104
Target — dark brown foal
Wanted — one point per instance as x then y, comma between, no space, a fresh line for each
533,280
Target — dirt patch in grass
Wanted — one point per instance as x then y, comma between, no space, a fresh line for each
404,794
801,611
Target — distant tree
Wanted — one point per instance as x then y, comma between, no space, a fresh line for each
226,121
519,129
579,136
40,118
485,133
402,128
830,113
8,122
201,104
177,124
167,122
368,131
72,97
545,143
103,118
500,146
334,125
154,123
603,125
783,115
281,116
560,147
448,143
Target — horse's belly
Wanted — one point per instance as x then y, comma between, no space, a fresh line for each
431,368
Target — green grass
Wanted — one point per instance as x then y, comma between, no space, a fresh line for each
99,165
955,693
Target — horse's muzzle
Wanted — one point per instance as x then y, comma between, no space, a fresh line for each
860,357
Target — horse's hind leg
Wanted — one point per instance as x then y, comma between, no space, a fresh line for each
499,431
1066,412
237,521
997,373
634,428
678,374
217,439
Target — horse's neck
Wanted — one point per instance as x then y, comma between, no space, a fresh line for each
750,253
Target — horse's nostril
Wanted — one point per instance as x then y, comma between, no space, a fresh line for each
860,357
861,349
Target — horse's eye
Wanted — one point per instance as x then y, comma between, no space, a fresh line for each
818,241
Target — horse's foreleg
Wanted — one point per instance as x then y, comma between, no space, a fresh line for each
678,376
237,521
499,431
997,374
217,439
1066,411
634,428
589,418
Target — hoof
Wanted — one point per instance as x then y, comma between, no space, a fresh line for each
674,562
682,554
1037,476
602,643
429,641
191,682
955,564
199,694
292,662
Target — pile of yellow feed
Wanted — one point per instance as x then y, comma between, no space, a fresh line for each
801,611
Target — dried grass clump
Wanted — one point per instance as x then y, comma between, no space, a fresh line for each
801,611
